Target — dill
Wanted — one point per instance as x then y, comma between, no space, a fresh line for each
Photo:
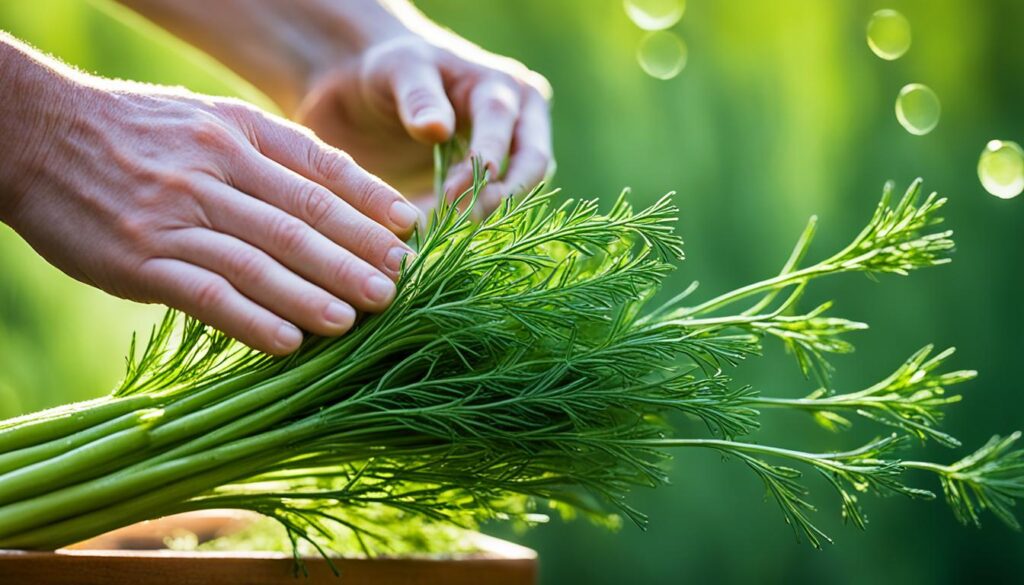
521,365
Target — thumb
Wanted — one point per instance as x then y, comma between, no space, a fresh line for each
423,105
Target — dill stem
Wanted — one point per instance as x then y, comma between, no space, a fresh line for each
735,446
264,404
203,397
807,403
166,499
926,466
221,414
241,413
279,398
29,455
39,477
773,283
53,424
100,492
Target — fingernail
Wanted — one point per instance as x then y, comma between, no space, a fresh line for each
288,337
339,315
379,289
402,215
393,260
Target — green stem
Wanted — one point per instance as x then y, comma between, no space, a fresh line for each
839,401
734,446
167,499
103,491
932,467
802,403
49,425
14,460
243,417
40,477
770,284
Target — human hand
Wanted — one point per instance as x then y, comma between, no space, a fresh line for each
379,80
237,217
395,98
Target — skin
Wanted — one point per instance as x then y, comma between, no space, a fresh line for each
208,205
260,226
380,81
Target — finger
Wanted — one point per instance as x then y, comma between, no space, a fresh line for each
531,158
211,299
263,280
494,108
299,151
423,105
304,250
334,217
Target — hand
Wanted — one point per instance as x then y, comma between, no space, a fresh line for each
377,79
241,219
389,103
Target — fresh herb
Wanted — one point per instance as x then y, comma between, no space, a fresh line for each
522,364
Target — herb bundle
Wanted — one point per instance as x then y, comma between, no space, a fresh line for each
521,364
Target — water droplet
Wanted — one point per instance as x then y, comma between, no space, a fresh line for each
654,14
918,109
661,54
888,34
1001,168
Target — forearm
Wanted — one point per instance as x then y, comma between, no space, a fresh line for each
35,93
280,46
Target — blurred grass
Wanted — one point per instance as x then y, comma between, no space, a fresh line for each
781,112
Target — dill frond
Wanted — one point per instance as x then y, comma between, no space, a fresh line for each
521,367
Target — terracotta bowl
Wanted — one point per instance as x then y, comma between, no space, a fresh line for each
136,556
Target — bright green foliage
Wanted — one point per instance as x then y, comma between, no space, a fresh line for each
519,365
911,399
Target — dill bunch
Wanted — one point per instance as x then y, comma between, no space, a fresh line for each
521,365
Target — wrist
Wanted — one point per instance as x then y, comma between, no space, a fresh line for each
281,48
338,34
36,103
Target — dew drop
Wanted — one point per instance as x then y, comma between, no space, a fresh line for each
888,34
654,14
918,109
1001,168
661,54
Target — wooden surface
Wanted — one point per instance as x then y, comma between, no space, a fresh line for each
499,563
78,567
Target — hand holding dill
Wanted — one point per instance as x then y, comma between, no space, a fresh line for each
521,363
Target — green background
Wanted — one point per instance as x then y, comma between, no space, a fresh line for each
781,112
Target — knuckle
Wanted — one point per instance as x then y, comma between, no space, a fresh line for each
148,175
255,329
173,183
317,206
413,49
210,134
367,194
375,241
345,270
327,163
288,233
135,230
247,265
499,104
211,294
391,55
